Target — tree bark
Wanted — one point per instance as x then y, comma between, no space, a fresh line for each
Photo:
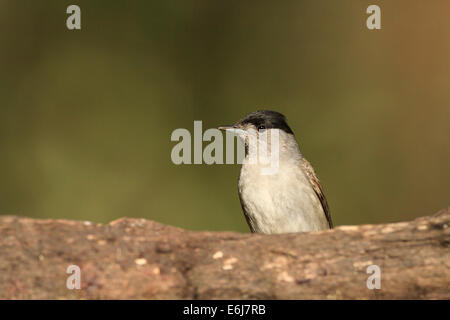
141,259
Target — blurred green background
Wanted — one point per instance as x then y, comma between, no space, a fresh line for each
86,116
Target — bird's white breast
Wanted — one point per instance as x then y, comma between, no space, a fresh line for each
282,202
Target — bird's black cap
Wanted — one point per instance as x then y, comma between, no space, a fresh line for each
267,118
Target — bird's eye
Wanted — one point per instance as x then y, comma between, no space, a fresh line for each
262,127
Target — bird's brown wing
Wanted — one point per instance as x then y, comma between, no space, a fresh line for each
318,189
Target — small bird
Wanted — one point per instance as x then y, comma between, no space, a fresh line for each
288,200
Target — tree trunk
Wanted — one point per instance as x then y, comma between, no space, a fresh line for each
141,259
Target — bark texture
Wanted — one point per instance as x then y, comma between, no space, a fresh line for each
141,259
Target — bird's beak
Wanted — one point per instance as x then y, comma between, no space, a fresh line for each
225,128
232,129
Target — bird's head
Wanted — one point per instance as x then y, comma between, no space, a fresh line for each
258,122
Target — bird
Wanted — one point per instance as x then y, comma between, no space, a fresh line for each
288,200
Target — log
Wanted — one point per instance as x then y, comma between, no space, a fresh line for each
142,259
